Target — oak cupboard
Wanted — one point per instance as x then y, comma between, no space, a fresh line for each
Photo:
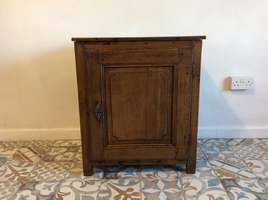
138,100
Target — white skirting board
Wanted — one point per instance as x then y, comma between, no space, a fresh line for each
233,132
39,134
74,133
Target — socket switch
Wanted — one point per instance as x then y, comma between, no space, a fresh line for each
241,82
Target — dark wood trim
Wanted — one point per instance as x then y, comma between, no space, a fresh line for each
135,39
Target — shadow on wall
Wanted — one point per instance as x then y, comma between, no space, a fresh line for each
40,92
214,111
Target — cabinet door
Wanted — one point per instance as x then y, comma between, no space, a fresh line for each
139,92
138,102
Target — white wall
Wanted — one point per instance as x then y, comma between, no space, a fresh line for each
37,69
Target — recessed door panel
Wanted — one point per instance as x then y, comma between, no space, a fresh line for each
138,103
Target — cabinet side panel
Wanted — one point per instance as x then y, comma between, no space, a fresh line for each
81,74
197,51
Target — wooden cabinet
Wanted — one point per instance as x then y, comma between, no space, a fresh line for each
138,100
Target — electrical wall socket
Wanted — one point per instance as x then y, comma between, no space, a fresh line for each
241,82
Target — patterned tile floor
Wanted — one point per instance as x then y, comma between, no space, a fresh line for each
227,169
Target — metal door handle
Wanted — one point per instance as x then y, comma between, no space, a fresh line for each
99,111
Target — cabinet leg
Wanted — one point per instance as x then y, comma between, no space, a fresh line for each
88,170
190,166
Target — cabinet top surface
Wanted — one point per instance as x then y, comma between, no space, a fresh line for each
128,39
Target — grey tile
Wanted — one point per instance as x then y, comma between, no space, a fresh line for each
226,169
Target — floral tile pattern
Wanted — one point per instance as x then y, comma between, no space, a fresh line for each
204,184
232,169
157,188
241,165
